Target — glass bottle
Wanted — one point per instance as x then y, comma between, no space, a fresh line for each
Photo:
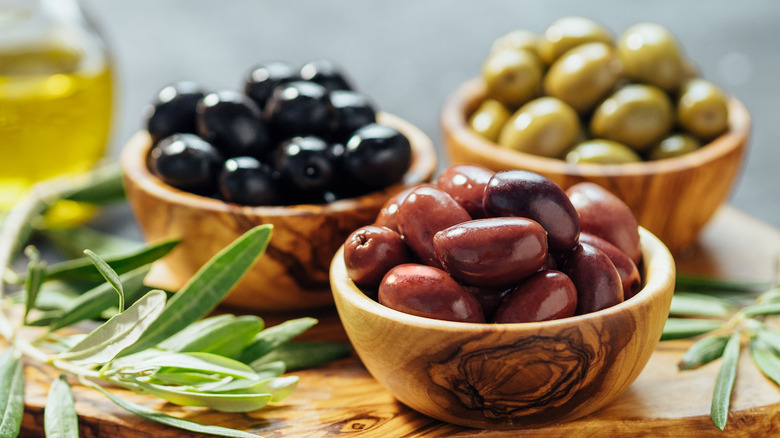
55,94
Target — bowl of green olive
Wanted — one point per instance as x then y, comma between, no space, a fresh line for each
629,113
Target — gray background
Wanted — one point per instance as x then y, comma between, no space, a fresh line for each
410,54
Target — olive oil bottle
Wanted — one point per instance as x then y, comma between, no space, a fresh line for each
55,94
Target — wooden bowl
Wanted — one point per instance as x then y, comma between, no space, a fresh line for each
672,198
293,273
507,376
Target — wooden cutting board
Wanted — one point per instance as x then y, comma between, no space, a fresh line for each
343,399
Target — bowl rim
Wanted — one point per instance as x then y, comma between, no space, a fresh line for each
658,265
468,95
135,151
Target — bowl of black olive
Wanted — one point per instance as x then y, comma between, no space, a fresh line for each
298,148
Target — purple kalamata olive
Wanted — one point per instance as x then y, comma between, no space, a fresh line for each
371,251
388,215
426,211
629,274
544,296
527,194
430,292
493,251
595,277
490,298
466,184
605,215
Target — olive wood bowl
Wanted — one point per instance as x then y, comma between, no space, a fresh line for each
293,272
509,376
673,198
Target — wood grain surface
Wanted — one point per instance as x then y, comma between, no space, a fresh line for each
343,399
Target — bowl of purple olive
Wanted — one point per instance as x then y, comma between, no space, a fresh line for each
298,148
497,300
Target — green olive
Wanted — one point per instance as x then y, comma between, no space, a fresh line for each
674,146
650,54
602,151
567,33
583,75
519,39
512,77
636,115
545,126
702,109
488,119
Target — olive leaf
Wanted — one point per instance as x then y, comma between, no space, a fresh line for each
688,282
704,351
770,308
766,360
110,275
124,329
225,338
680,328
35,273
245,402
721,397
182,337
103,186
184,378
201,294
11,394
206,363
772,295
300,355
695,304
269,369
272,337
770,337
59,415
72,241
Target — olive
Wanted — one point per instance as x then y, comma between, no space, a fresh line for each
466,184
526,194
187,162
325,73
601,151
173,110
650,54
490,298
305,164
388,215
603,214
371,251
233,123
583,76
298,108
629,274
702,109
260,81
595,277
246,181
545,126
493,251
519,39
636,115
428,292
376,156
512,77
350,111
544,296
426,211
674,145
488,119
569,32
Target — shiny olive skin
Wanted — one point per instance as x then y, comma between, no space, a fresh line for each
325,73
512,77
388,215
305,164
569,32
234,124
636,115
492,251
602,151
544,296
490,298
426,211
261,80
702,109
350,111
187,162
298,108
428,292
489,118
650,54
519,39
371,251
595,277
545,126
173,110
603,214
583,76
466,184
675,145
376,156
247,181
629,274
525,194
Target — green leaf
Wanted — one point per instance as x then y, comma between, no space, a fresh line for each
184,378
766,360
207,287
32,285
272,337
770,337
278,387
57,295
175,342
770,308
680,328
703,352
721,398
300,355
93,302
103,187
168,420
119,332
72,241
11,395
772,295
694,304
59,415
206,363
269,369
83,269
245,402
711,284
226,338
110,275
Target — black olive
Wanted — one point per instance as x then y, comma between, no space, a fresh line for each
187,162
305,164
261,80
299,108
350,111
377,156
173,110
233,123
325,73
246,181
